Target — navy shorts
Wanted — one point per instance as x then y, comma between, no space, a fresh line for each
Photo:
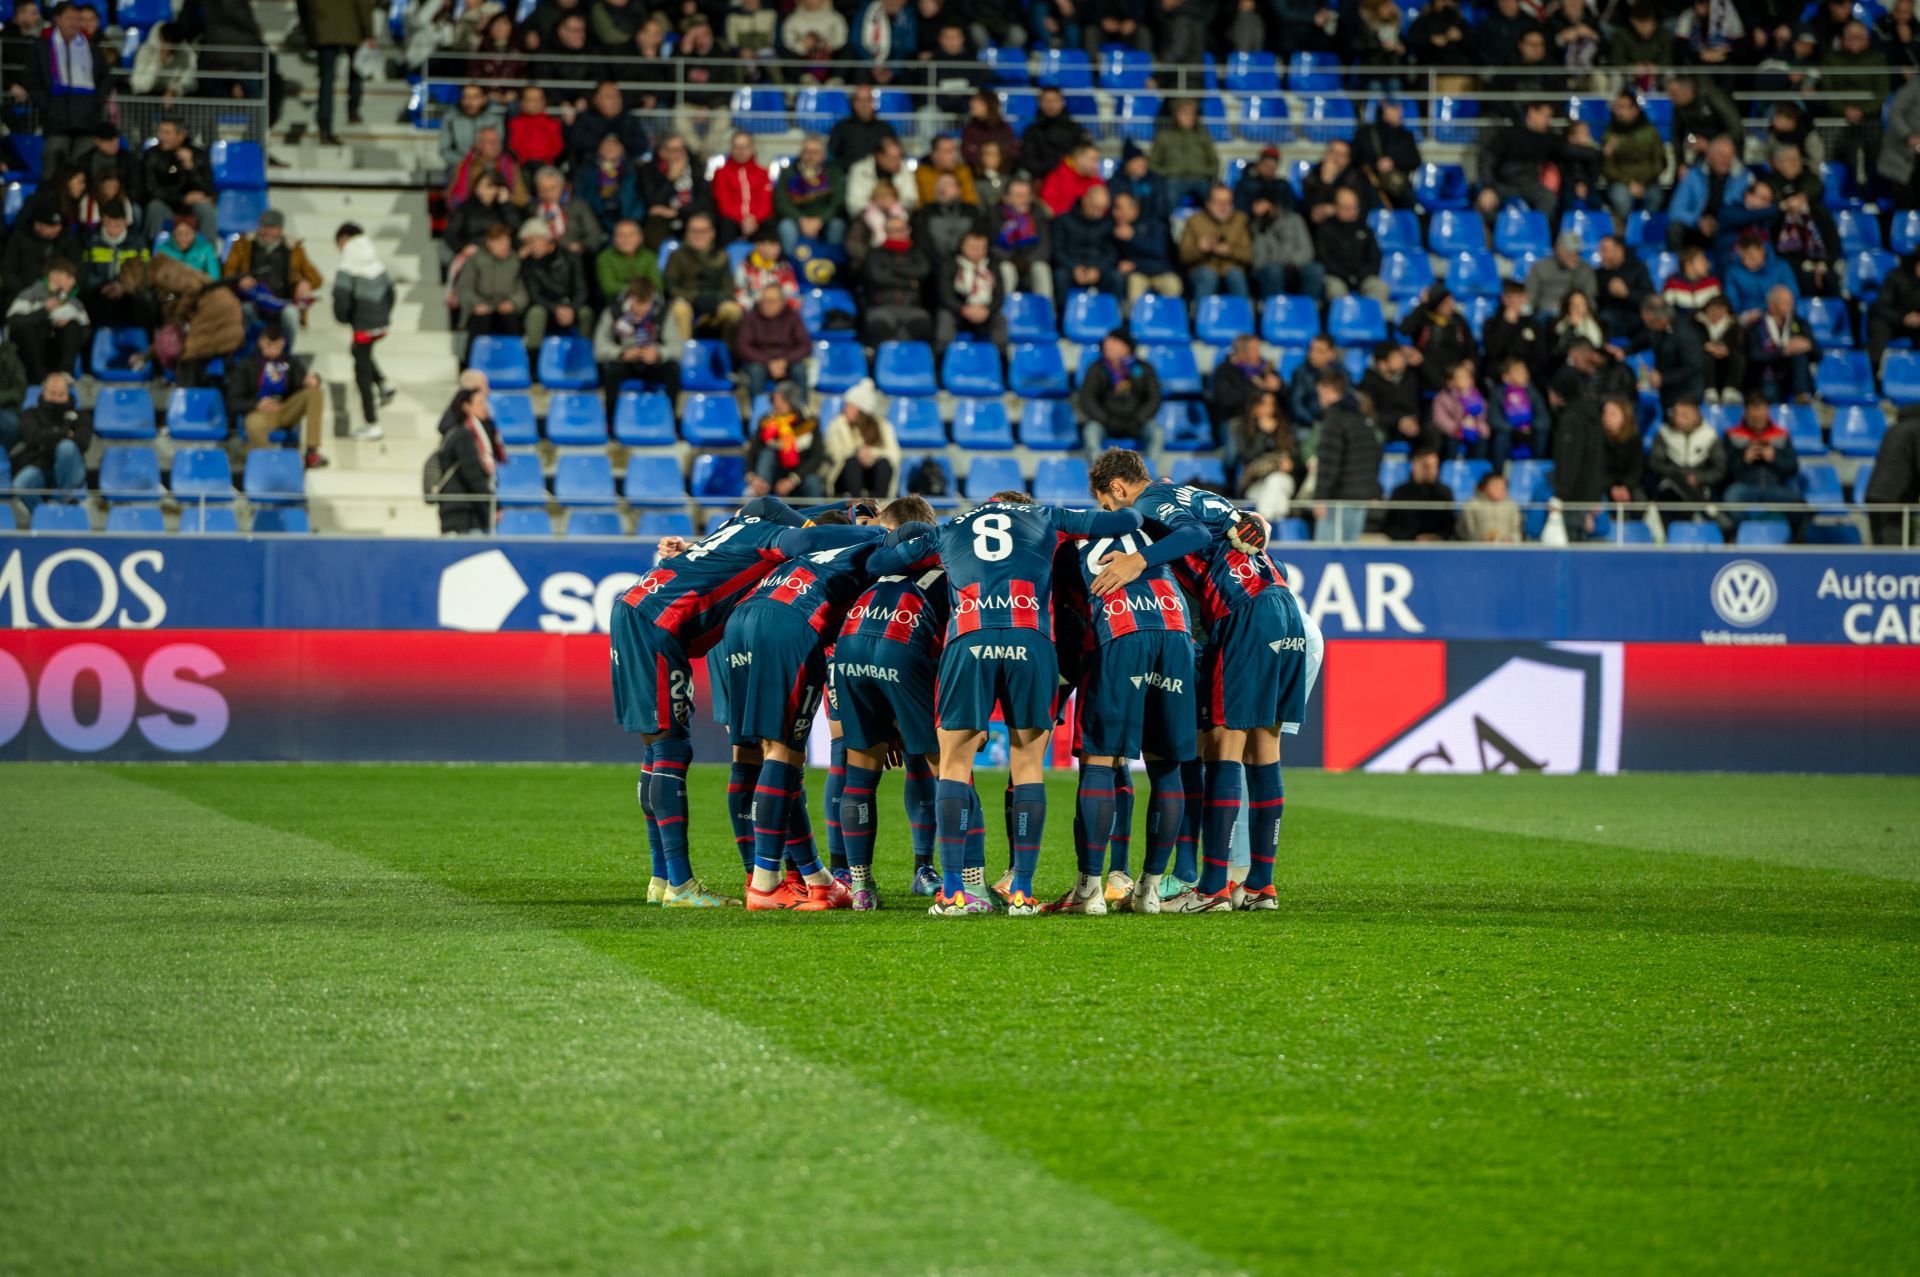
1139,694
885,690
775,674
1254,671
1017,670
652,679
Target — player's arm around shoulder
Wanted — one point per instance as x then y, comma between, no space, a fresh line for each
904,548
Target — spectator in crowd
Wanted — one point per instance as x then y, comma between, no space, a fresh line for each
1388,153
1527,161
1267,456
771,344
273,274
1420,506
1263,188
1641,44
625,259
1723,346
1217,247
893,279
814,31
1134,176
1565,271
1023,237
991,176
629,344
1501,32
863,456
1438,338
1702,112
1516,410
1146,251
944,220
1051,138
1461,421
1239,379
699,280
1085,254
1896,479
535,137
1072,178
575,229
363,301
1514,332
1704,193
1688,460
1576,323
1754,275
30,248
185,244
13,395
556,287
1184,155
1347,460
1856,67
605,116
857,135
489,155
787,453
1898,149
1119,401
1695,285
48,323
763,267
1632,159
1623,455
1490,515
54,436
944,161
269,390
673,192
468,456
1335,172
1283,253
176,176
467,225
69,76
742,191
1621,283
113,274
810,198
501,60
1896,311
1303,390
870,227
109,156
1393,394
606,184
492,292
985,124
1679,363
1442,37
460,127
1579,463
888,163
1805,236
334,29
166,65
708,76
1349,253
1761,462
970,294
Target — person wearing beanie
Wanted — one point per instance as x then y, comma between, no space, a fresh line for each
1134,176
788,452
273,275
556,286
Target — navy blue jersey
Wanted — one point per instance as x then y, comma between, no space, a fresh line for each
819,586
1224,580
910,609
1151,601
691,595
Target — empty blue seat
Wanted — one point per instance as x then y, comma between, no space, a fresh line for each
1461,476
1802,425
721,476
1866,271
1820,482
1030,317
1221,318
1252,73
1265,120
1009,66
59,516
1394,469
120,355
1845,532
143,519
1090,316
1456,231
1861,478
981,425
712,421
916,423
1828,318
583,479
1646,231
513,417
1329,119
275,475
838,366
525,522
1398,231
1198,471
817,110
1843,377
1899,378
1528,481
238,164
1859,230
654,479
1309,72
705,365
594,523
1859,428
1625,532
1478,310
1175,366
1904,234
1185,427
1519,229
202,474
1659,109
655,524
643,419
124,412
504,360
1066,68
577,419
1590,226
1019,105
759,110
1061,481
1694,532
237,212
1289,321
1036,371
1762,532
209,519
904,368
1407,275
1440,187
1292,530
281,519
1356,321
1138,114
1048,425
1156,319
1449,123
518,480
15,200
988,475
972,368
1721,417
1474,275
816,304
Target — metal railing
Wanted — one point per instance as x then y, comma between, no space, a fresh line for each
229,102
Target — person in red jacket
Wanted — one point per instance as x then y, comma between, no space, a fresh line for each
742,191
533,136
1075,176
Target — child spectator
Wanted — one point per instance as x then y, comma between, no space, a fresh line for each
363,300
1725,349
969,294
1460,416
1490,516
1688,291
1518,411
105,290
48,323
765,268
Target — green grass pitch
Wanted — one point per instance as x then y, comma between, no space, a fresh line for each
418,1019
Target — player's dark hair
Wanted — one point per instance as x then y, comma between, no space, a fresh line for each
1123,464
829,519
906,510
1011,497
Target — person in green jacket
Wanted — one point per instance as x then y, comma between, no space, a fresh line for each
809,198
625,259
1183,154
1633,158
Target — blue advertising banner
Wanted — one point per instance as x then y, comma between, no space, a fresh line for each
1722,596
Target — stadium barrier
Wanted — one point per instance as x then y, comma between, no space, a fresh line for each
1439,659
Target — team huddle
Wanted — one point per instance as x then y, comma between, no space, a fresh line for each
1158,617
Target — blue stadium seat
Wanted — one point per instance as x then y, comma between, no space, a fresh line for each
1019,104
1474,275
1356,321
1659,109
15,200
904,368
201,474
526,522
1030,317
1820,482
1837,185
1661,267
1185,427
1448,123
916,423
59,516
237,212
1646,231
1453,231
718,477
1827,316
1478,310
1220,318
980,425
1398,231
1440,187
838,366
209,519
1265,120
1803,427
1859,230
643,419
1198,471
705,365
276,475
1394,469
566,363
655,524
1066,68
1843,377
1845,532
1904,235
895,107
1036,371
1407,275
120,355
513,418
1461,476
1625,532
1694,532
1090,316
594,523
238,165
1292,530
911,464
1009,66
1861,477
759,110
1048,425
1595,113
1899,377
816,304
1720,417
988,475
1061,481
667,249
1297,174
577,419
583,479
1762,532
1213,114
1309,72
1859,428
1179,374
1518,229
1156,319
124,412
1252,73
518,481
131,473
503,359
1866,271
1289,320
1328,119
1528,481
972,368
817,110
1589,225
712,421
1138,115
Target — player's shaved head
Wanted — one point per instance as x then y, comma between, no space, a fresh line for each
1011,498
902,510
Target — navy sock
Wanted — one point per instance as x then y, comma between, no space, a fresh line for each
741,779
1006,815
836,781
1122,841
856,813
977,836
801,850
953,805
1226,791
773,813
656,852
1267,801
1186,848
1166,813
669,790
919,795
1029,824
1093,818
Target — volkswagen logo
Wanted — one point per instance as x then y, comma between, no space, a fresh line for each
1744,593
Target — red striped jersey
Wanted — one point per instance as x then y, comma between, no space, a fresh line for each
818,587
692,594
909,608
1222,580
1152,601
